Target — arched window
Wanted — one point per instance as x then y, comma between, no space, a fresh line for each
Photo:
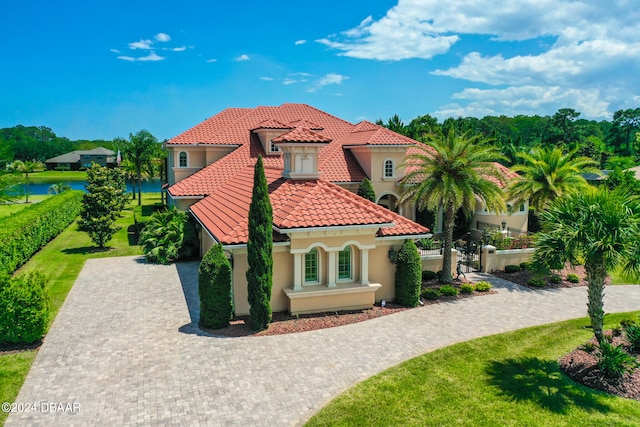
182,159
311,267
344,264
389,171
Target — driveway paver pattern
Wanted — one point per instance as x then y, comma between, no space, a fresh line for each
125,347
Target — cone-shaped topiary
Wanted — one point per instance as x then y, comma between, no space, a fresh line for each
366,190
408,275
259,251
214,285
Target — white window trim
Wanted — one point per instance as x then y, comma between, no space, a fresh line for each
384,169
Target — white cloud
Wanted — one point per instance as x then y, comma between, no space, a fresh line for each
266,79
243,57
151,57
587,55
142,44
212,60
289,81
179,49
114,50
327,79
162,37
299,42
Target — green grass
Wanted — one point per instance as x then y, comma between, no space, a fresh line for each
18,205
61,261
58,176
619,278
509,379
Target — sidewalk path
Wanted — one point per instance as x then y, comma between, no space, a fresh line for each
125,348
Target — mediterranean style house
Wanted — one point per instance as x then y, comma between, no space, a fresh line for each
333,250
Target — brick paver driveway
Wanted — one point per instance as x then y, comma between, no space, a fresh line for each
125,350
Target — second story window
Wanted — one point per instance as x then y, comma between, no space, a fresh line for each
388,169
182,159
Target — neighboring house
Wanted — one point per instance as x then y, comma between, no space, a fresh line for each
82,159
332,248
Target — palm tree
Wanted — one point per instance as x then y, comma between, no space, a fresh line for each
26,168
598,226
453,171
547,173
139,149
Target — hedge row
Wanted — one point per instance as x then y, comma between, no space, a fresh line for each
27,231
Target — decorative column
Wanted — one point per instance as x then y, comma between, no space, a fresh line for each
297,271
364,266
331,268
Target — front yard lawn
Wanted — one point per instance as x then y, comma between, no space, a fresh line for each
511,379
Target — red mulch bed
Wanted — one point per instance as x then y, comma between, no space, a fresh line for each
285,323
522,277
580,365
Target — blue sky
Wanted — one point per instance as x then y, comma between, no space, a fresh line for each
92,70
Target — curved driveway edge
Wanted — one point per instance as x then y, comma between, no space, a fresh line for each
124,349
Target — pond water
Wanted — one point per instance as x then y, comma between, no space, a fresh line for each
42,187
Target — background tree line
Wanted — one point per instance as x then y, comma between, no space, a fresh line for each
39,143
610,143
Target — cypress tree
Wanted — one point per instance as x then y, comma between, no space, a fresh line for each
259,251
408,278
366,190
214,286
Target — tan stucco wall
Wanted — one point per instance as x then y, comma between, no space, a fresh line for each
493,260
519,220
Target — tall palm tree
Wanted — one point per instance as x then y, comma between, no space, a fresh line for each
546,174
453,171
27,167
139,149
599,227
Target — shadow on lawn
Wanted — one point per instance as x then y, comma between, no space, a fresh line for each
85,250
541,382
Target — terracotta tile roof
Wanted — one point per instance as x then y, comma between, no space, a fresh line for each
301,135
296,204
272,124
305,124
205,132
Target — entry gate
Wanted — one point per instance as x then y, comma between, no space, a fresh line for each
469,254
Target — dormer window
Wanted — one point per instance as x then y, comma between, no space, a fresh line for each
182,159
273,148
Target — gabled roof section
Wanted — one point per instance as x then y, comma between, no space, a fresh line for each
302,123
296,204
205,132
301,135
367,133
272,124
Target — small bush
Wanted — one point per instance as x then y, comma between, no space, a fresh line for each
467,288
24,309
555,279
613,361
408,276
511,268
525,266
449,290
632,332
429,275
483,286
214,286
573,278
536,282
163,236
431,294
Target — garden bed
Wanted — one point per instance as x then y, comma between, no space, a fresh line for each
581,366
523,278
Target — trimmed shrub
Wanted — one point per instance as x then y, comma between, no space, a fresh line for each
573,278
632,331
483,286
555,279
449,290
525,266
511,268
431,294
408,277
467,288
429,275
24,309
613,361
214,286
365,189
536,282
27,231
